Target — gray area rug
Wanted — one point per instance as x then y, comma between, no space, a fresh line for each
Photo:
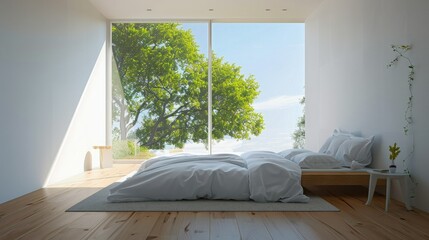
98,203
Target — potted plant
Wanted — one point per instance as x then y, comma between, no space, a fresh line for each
394,152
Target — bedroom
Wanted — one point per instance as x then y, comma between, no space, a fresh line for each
348,46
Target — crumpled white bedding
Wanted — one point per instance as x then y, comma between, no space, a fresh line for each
259,175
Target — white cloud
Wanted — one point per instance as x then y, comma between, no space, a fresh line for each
280,102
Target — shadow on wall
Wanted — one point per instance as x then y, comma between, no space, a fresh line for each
53,56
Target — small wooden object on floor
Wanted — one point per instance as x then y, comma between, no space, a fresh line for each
106,159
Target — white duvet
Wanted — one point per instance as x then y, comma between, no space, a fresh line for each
259,176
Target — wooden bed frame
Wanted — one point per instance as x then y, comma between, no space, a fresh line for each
334,178
327,178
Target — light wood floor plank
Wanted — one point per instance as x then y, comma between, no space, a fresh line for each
77,225
25,206
279,226
108,228
364,225
223,226
251,227
397,226
337,225
183,223
163,228
200,228
308,227
41,215
138,226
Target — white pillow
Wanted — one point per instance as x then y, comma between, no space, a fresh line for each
337,132
289,153
325,146
316,160
336,142
355,152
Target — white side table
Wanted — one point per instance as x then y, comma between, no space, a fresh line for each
374,175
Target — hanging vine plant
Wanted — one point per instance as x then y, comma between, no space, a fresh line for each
400,52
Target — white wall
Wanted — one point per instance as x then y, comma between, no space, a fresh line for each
52,91
349,86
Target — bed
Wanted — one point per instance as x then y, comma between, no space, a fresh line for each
342,160
324,169
260,176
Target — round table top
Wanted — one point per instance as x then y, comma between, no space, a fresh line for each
102,147
385,172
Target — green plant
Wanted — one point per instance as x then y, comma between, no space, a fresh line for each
123,149
128,149
394,152
298,135
400,52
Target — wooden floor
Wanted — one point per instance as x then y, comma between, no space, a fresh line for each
40,215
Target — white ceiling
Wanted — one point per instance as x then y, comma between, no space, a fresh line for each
220,10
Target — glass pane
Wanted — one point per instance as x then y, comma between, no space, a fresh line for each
258,80
159,89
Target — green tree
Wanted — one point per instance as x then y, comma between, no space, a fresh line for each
298,135
164,84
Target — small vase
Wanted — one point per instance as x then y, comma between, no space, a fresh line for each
392,168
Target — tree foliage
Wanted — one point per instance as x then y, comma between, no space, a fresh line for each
299,134
165,88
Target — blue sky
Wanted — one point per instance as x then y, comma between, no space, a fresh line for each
274,54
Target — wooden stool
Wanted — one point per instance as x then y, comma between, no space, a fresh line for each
106,159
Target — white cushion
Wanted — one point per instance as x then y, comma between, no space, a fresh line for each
336,142
349,150
316,160
325,146
352,151
289,153
355,152
337,132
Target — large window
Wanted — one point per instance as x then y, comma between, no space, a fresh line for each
163,102
271,56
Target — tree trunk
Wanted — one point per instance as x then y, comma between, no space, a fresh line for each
123,119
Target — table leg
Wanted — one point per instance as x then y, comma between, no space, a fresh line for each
371,188
388,181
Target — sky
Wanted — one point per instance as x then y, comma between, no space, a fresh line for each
274,54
